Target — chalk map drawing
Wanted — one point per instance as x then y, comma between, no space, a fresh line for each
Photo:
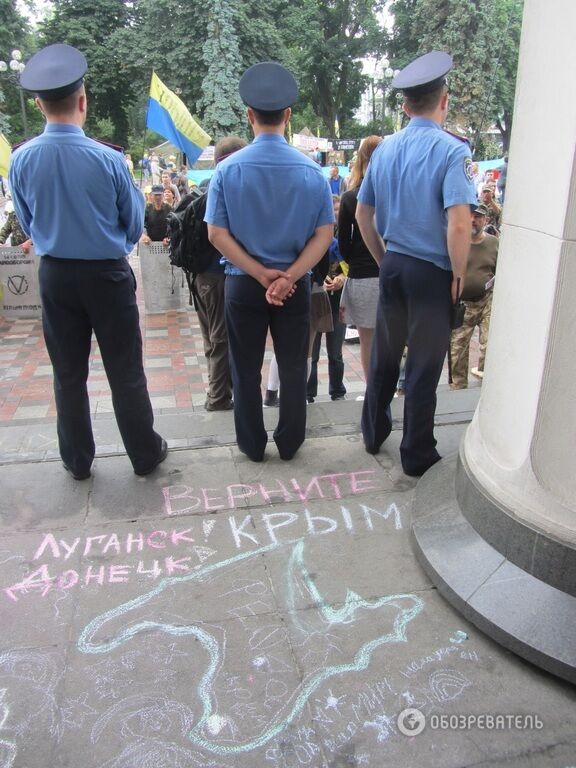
226,661
203,734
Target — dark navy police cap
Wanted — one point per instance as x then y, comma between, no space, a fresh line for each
423,75
54,72
268,87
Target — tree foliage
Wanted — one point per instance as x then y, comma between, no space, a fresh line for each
99,28
483,38
200,48
13,34
220,104
327,40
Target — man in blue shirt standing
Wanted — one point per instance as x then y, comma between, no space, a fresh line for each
414,216
77,200
269,213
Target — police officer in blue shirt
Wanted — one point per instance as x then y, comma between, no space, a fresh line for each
414,216
77,201
269,212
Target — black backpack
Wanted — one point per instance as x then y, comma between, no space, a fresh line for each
190,249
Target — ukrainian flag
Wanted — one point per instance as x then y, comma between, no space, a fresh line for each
168,116
5,151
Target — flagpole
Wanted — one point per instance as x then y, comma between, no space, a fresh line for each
144,136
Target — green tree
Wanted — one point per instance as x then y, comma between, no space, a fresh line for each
326,42
221,108
509,20
99,29
261,31
168,36
483,38
13,34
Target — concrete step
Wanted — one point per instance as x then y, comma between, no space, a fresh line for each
35,440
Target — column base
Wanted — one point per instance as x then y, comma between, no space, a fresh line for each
528,615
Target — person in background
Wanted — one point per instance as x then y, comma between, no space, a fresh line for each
346,180
86,283
129,163
359,300
494,211
155,216
145,165
181,180
209,293
167,183
155,169
477,296
335,180
501,183
333,284
12,229
168,198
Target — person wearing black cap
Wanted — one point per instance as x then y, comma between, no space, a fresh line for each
414,216
76,199
156,218
269,212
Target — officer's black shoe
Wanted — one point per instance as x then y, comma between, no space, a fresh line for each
419,471
372,450
77,475
338,397
159,460
309,399
255,457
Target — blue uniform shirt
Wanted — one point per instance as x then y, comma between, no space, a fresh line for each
74,196
412,178
271,198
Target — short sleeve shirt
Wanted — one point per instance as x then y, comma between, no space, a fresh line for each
412,179
271,198
75,197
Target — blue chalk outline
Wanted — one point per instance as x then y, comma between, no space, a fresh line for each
345,614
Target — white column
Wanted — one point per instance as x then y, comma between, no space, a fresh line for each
521,445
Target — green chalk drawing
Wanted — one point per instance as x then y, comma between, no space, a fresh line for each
408,606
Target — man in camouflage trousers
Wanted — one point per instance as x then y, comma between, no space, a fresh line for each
477,296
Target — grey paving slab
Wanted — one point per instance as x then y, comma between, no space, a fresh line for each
324,468
173,489
366,537
554,756
40,495
36,603
30,680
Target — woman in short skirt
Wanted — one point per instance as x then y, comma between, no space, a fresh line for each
359,300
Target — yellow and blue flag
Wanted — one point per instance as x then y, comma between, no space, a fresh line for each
168,116
5,151
336,127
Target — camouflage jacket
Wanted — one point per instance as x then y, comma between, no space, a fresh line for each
12,227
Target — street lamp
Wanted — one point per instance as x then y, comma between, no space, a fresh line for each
16,65
386,74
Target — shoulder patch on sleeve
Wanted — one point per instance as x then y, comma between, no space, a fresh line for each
468,169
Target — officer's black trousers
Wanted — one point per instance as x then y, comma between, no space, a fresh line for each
248,317
414,309
78,297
